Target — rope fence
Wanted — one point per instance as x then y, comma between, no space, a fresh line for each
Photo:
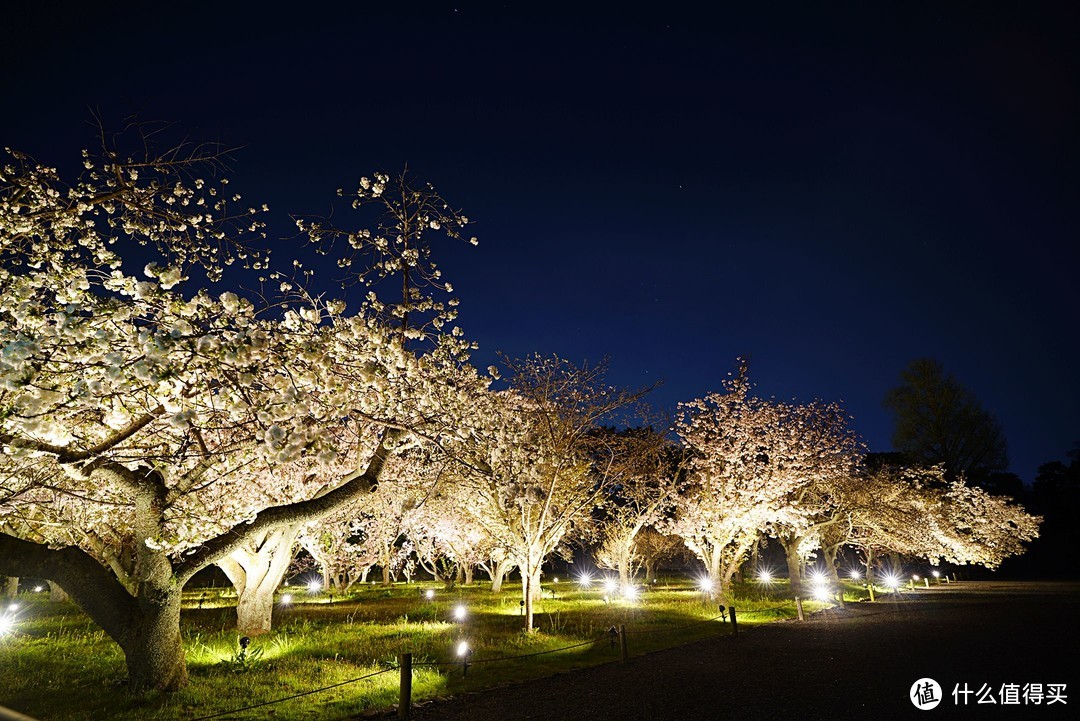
295,695
405,666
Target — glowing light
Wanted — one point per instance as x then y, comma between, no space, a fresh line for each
630,593
817,577
821,593
610,585
705,584
765,577
314,586
429,594
892,581
463,649
584,580
915,577
555,580
286,599
459,613
38,589
6,625
13,607
854,575
937,574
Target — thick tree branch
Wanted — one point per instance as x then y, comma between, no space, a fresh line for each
93,588
216,548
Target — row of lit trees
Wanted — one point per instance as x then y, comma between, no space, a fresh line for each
743,468
153,425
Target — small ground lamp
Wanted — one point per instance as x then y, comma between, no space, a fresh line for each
429,594
7,620
314,586
630,593
821,592
892,582
584,580
286,599
705,584
459,613
610,586
765,577
463,652
854,575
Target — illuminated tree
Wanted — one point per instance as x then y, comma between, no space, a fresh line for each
730,493
816,456
653,548
142,427
534,463
915,512
334,544
643,466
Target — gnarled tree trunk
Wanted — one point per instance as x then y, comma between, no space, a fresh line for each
256,571
498,574
794,563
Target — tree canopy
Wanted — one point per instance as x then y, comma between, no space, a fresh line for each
937,420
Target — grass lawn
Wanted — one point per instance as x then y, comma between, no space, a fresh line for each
57,665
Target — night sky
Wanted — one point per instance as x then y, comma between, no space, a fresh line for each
828,192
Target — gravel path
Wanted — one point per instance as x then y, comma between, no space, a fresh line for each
852,664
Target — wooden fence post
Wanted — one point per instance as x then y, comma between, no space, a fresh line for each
405,685
622,642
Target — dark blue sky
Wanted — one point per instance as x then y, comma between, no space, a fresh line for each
830,192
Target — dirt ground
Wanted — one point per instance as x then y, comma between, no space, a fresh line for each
853,664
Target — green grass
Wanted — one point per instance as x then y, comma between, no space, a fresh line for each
58,665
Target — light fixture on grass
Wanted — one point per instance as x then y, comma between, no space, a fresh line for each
463,652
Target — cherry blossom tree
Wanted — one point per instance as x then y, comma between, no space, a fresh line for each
761,465
534,463
336,545
136,415
817,454
654,548
728,496
917,512
643,470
